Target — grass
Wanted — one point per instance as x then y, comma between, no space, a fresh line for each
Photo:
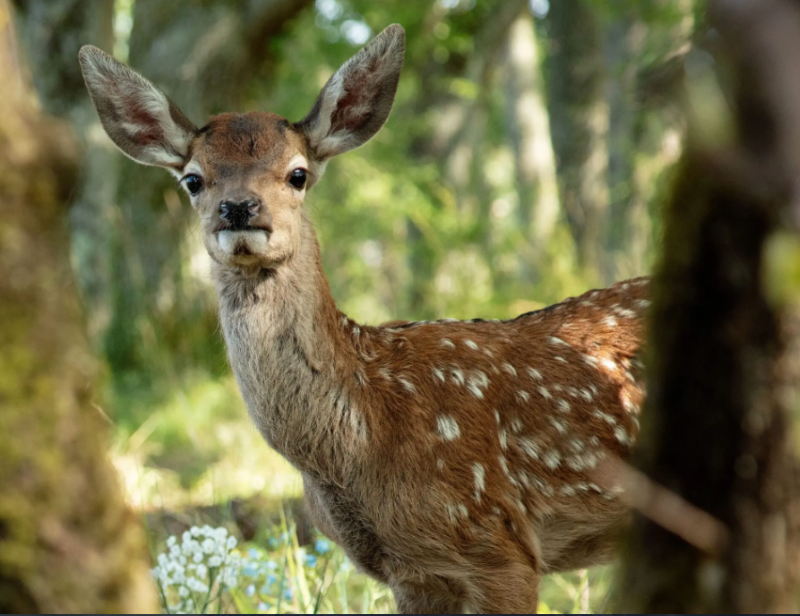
191,452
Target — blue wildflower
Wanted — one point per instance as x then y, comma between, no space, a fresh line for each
288,594
250,590
311,560
263,607
272,578
253,553
322,546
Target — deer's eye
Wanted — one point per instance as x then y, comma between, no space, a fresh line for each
193,183
297,178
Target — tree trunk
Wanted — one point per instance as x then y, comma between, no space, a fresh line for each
578,122
450,134
528,129
725,371
68,543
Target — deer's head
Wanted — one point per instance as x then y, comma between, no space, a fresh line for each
247,174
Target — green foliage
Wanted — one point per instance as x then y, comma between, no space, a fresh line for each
207,572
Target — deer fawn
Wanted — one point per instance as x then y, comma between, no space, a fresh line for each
452,460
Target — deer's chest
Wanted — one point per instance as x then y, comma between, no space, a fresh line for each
341,517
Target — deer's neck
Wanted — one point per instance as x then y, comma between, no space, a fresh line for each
293,361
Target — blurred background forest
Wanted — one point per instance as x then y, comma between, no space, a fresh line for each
528,151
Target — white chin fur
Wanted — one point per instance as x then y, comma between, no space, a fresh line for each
232,242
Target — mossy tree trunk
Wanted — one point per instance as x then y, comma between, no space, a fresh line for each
724,374
68,542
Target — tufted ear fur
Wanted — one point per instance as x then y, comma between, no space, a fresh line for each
357,99
137,116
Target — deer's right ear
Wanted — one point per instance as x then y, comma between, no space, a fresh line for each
357,99
137,116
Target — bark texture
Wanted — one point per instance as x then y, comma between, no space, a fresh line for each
579,122
68,543
723,357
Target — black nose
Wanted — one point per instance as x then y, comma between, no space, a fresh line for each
238,213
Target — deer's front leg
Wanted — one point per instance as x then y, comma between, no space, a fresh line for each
510,589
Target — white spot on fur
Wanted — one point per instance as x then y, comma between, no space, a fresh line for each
447,428
438,374
480,378
534,373
447,343
587,395
440,464
480,480
356,331
516,426
385,373
561,359
504,466
563,406
580,463
407,384
456,513
609,321
552,459
592,361
509,368
560,426
605,417
503,436
622,436
628,405
457,375
497,416
643,303
529,448
556,341
607,363
546,394
471,344
567,490
475,389
523,395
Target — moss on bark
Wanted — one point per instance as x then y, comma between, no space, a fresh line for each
68,542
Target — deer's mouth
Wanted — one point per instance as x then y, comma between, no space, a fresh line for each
243,242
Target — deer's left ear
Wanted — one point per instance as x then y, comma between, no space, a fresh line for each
138,117
357,99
